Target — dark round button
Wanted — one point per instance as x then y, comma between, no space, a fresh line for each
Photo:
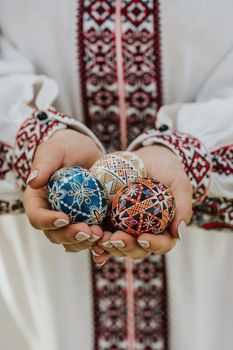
42,116
163,127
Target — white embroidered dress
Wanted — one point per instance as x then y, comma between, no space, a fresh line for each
45,294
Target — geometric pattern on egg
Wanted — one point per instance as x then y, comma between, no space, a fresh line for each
143,206
134,160
115,170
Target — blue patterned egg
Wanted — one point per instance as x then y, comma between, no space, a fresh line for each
79,194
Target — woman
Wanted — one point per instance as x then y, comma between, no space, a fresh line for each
116,64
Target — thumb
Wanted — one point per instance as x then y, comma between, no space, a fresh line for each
48,159
182,191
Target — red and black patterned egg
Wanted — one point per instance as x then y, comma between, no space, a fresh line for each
143,206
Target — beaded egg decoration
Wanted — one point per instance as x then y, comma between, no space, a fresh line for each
143,206
79,194
115,170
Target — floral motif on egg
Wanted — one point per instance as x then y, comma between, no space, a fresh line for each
79,194
115,170
143,206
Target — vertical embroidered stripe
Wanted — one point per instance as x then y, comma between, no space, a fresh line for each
109,292
98,71
119,60
141,52
150,304
130,304
120,75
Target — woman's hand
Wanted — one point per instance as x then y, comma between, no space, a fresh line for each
163,165
65,148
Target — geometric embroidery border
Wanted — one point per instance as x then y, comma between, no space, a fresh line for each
98,72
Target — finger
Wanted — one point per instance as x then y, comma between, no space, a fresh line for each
96,234
97,250
101,260
38,212
182,191
128,245
48,159
159,244
106,244
73,234
73,248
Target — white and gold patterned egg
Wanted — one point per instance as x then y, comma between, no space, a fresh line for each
115,170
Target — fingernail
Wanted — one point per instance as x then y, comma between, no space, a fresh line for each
181,230
119,244
107,244
144,244
81,236
94,238
61,222
94,253
32,176
99,265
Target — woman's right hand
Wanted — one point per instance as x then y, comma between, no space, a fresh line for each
65,148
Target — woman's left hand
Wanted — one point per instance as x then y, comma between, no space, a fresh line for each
163,165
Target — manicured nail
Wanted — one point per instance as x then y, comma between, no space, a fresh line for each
94,238
32,176
119,244
81,236
99,265
181,230
144,244
94,253
61,222
107,244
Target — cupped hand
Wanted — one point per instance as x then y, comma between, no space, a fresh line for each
121,244
64,148
163,165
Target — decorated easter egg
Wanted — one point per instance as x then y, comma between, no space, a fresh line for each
79,194
115,170
143,206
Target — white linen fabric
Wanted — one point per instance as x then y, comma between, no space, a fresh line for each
18,88
20,95
46,294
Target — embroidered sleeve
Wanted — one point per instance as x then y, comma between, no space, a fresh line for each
10,200
214,213
16,161
203,168
191,152
36,129
23,126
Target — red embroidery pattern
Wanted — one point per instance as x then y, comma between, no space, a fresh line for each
6,154
142,64
140,41
150,304
195,159
222,160
6,174
36,129
99,85
110,306
13,207
96,53
214,213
